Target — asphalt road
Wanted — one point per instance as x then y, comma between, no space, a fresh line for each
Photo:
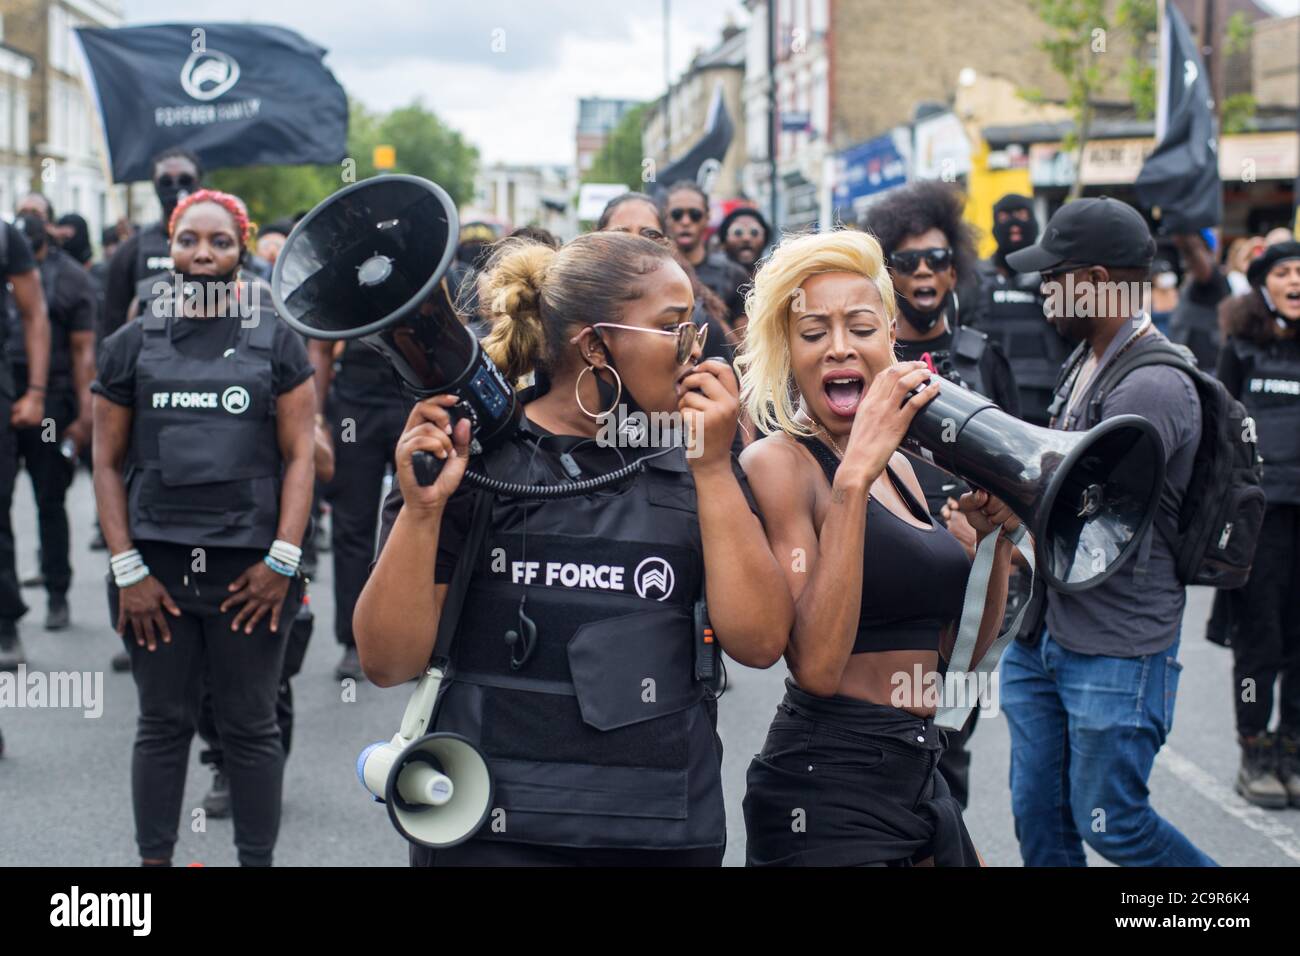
65,778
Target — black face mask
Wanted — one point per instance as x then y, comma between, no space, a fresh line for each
207,286
33,228
1002,230
172,189
920,319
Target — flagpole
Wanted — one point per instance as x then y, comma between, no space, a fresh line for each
1162,71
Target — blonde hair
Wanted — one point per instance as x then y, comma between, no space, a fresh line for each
763,360
536,294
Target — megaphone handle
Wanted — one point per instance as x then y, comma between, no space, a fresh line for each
426,466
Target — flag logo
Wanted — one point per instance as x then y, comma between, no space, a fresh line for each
209,73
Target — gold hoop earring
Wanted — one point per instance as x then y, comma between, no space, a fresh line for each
577,392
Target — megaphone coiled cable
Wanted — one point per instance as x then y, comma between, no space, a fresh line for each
564,489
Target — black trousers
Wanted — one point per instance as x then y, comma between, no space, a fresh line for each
244,672
51,475
1265,628
365,440
502,853
11,598
843,782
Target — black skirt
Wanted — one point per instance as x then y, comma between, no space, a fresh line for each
843,782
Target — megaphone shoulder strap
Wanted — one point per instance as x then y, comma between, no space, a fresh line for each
449,616
953,716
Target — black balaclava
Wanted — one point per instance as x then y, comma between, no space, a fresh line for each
1002,231
171,196
923,320
32,227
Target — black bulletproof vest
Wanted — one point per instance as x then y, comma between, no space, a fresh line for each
959,363
1270,390
60,370
1012,315
603,738
1196,326
205,462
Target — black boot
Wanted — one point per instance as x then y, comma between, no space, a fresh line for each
11,647
1288,765
217,801
1257,780
57,617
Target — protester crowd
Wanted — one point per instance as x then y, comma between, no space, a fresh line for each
899,299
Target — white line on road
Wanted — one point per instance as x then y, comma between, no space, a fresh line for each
1258,819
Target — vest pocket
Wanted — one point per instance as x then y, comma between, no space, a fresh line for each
215,453
633,668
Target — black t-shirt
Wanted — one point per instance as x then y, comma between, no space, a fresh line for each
15,259
196,338
591,458
725,278
71,302
122,279
994,368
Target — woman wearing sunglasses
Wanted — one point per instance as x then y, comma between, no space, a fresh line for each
638,214
573,658
930,251
848,774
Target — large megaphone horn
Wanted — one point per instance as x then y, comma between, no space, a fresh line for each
1087,497
370,262
437,787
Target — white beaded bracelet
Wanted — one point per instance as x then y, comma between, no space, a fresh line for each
128,578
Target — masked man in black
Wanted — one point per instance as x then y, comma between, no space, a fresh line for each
145,256
49,451
1009,309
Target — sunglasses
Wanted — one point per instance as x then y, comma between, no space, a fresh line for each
939,260
1051,275
688,336
183,181
695,215
740,232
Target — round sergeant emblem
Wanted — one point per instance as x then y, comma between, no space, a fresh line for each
653,576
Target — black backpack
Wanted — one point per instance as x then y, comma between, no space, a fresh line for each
1219,520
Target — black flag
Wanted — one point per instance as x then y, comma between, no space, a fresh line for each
703,161
1179,182
236,94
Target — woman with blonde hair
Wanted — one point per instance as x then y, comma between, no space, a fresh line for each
572,659
847,775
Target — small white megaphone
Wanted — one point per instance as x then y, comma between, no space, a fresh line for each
437,787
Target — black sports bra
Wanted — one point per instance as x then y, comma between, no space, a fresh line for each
913,579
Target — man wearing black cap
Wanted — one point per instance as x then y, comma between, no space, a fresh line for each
1009,309
1091,702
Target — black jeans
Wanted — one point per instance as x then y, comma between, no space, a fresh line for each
11,597
843,782
51,474
1266,628
359,465
244,671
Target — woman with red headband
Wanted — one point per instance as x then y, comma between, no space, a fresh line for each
203,477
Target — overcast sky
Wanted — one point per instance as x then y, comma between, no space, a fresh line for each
519,105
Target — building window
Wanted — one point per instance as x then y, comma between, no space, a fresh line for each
20,123
4,119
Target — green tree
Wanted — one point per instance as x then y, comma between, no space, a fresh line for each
424,146
619,161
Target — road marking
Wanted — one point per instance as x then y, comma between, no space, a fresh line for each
1264,822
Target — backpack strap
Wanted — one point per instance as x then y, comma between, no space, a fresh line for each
1060,393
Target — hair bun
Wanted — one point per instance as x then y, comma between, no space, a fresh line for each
516,279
